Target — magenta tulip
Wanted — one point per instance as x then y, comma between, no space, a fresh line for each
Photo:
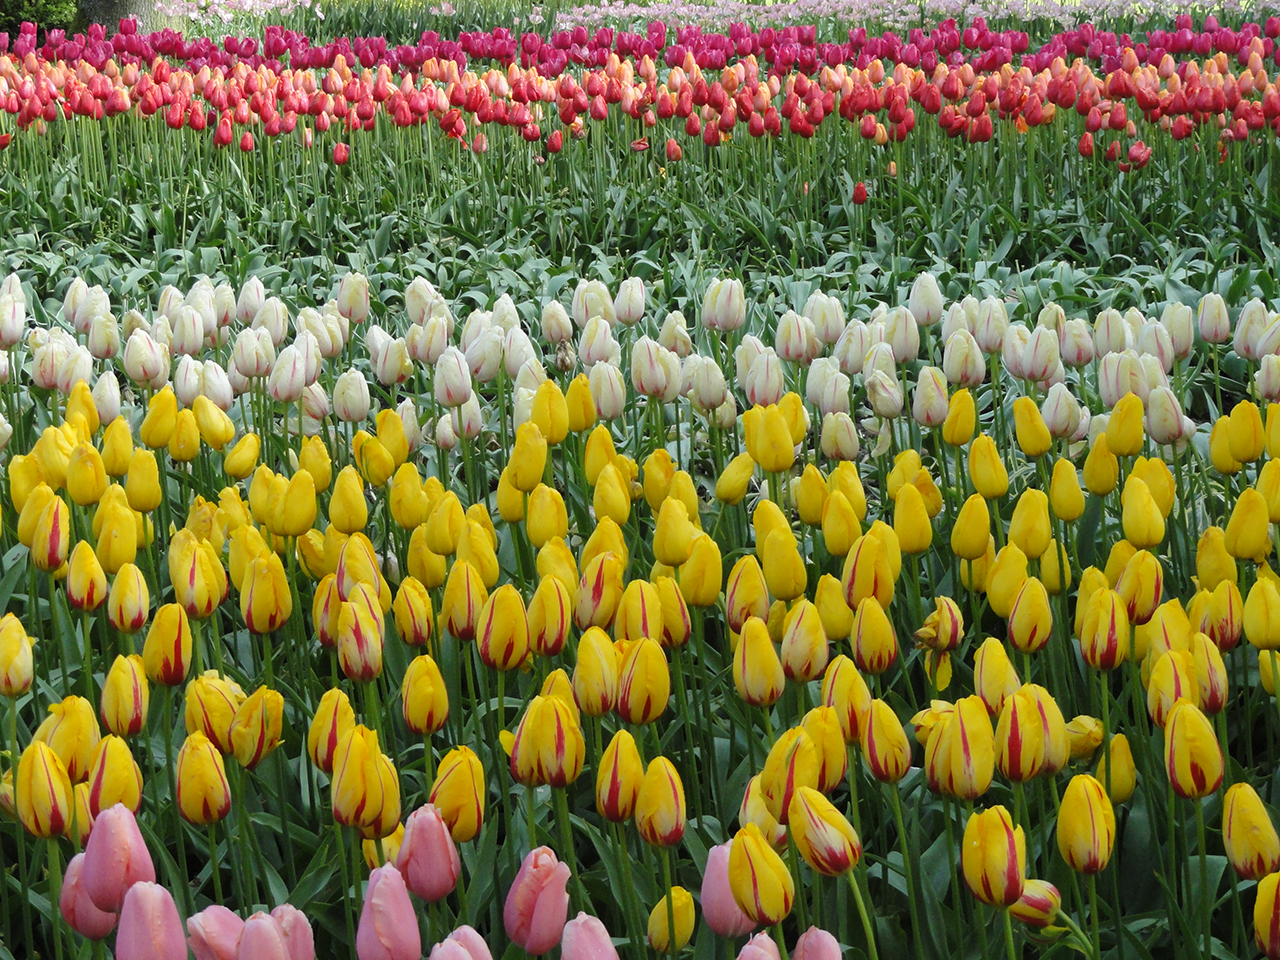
262,939
388,925
538,902
585,938
214,933
759,947
298,938
815,944
428,857
150,928
463,944
77,909
723,914
115,858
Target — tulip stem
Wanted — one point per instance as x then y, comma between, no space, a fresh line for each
566,843
89,693
1008,935
781,941
55,895
794,857
635,915
671,908
215,869
867,926
346,889
1093,915
166,723
1206,900
851,774
907,871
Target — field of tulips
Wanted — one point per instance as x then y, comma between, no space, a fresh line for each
584,624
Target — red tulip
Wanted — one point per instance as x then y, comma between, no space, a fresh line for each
860,193
674,151
1086,144
341,153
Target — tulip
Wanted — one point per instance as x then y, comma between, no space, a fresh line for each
1019,741
71,730
114,859
42,791
76,907
1039,904
1248,533
463,944
204,795
388,927
1122,773
537,902
911,521
1192,757
1104,632
257,726
1031,617
660,805
721,910
619,778
584,938
265,600
823,836
1250,838
758,674
51,537
126,696
458,793
150,928
681,908
1172,678
994,857
548,746
86,581
644,681
884,744
761,884
1262,616
17,670
875,644
599,591
166,654
844,690
1266,916
114,777
428,858
214,933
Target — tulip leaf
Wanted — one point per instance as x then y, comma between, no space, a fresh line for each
316,876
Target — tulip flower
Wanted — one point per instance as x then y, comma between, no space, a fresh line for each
760,882
71,730
463,944
204,795
721,910
459,793
1039,904
150,928
1192,756
823,836
1104,633
17,670
875,644
78,909
1248,834
428,859
549,746
644,681
1120,768
114,859
884,744
659,933
758,674
994,857
619,778
256,727
1173,678
537,902
659,805
166,654
388,928
424,697
114,777
584,938
844,690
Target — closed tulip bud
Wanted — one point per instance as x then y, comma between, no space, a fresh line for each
962,360
502,631
114,778
618,778
413,612
1192,757
1262,615
241,459
424,697
1020,740
1104,630
994,678
1005,579
1248,533
792,763
125,697
459,792
966,749
867,572
361,628
1086,826
1033,434
1211,673
875,643
993,857
1084,736
86,582
1101,468
78,909
1124,428
804,643
659,805
1248,834
884,744
1030,528
86,475
844,690
548,748
16,666
1141,586
957,429
644,681
1143,523
388,930
265,601
1122,771
464,597
823,836
528,457
986,470
1065,496
595,675
722,912
51,537
42,791
334,718
930,403
911,521
1266,916
161,421
761,884
256,727
348,510
1245,433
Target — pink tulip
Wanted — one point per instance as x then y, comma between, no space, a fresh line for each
262,939
388,926
463,944
115,858
150,928
585,938
214,934
815,944
723,914
759,947
428,858
298,938
78,910
538,902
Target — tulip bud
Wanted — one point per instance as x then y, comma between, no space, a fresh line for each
1086,826
762,885
1192,757
1248,834
993,857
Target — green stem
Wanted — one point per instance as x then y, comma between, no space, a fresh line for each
867,927
346,889
907,870
671,907
1205,899
566,842
55,895
215,869
1008,935
166,721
